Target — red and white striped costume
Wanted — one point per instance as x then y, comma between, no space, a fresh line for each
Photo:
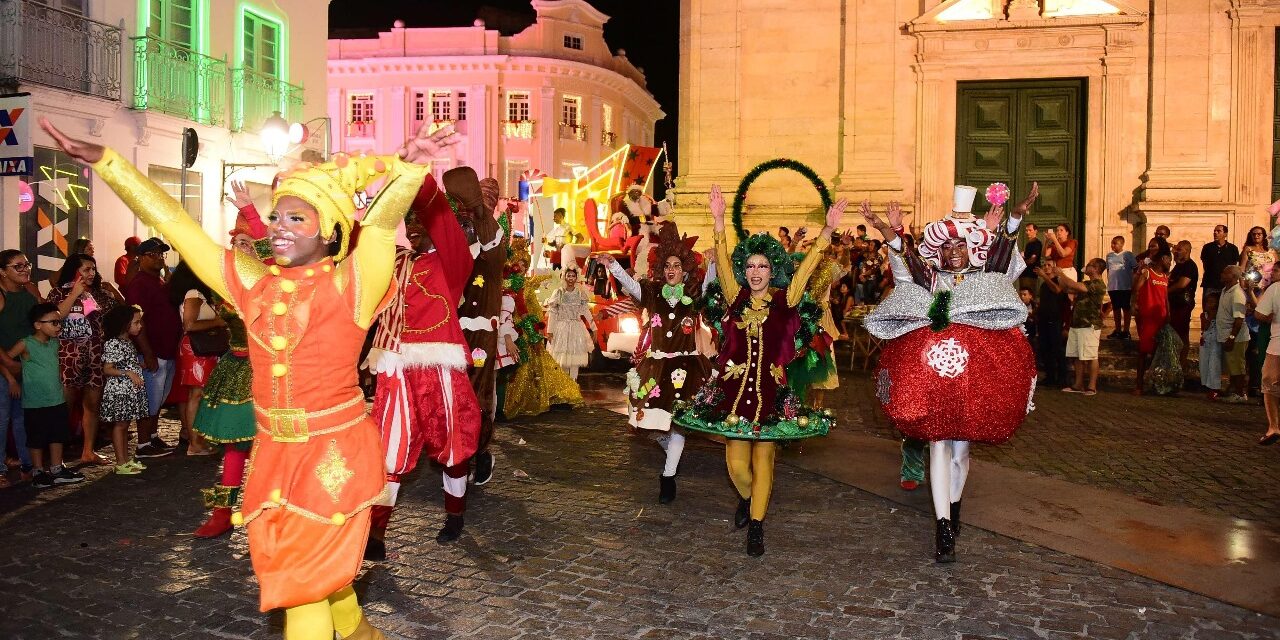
424,399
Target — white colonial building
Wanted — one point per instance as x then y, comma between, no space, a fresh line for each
550,98
132,74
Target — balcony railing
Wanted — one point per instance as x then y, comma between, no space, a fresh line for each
570,131
48,46
360,128
609,139
255,96
175,80
517,129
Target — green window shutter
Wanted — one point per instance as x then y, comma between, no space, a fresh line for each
261,45
182,23
155,20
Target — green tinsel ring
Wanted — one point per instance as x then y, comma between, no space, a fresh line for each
740,198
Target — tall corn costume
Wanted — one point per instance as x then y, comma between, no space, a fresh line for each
317,462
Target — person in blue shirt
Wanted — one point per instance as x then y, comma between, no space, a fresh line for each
1120,267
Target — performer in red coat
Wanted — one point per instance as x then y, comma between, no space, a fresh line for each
424,398
956,366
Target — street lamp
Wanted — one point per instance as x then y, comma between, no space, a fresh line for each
279,137
275,136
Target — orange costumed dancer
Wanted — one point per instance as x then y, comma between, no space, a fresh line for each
317,462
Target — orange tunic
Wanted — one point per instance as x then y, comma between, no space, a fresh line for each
316,464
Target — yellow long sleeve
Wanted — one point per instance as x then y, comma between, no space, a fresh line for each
158,209
724,268
799,281
374,256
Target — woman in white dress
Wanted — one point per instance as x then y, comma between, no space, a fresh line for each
569,324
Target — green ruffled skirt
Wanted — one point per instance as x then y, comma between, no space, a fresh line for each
225,415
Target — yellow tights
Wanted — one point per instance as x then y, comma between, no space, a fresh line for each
318,620
751,469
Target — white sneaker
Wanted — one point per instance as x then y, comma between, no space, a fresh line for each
1236,399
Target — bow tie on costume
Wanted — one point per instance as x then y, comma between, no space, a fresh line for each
674,293
982,300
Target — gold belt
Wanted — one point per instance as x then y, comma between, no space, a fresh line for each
291,424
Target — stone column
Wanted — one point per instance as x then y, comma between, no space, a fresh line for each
1252,108
548,137
392,111
479,153
868,110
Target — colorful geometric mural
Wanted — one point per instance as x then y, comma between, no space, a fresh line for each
62,193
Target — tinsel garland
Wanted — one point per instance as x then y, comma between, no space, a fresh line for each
528,335
940,311
713,306
740,198
504,221
782,264
794,420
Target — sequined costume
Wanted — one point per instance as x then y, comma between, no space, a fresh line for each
316,466
424,398
225,415
537,382
747,398
955,365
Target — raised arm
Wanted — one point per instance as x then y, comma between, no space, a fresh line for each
625,281
797,288
375,252
724,263
151,205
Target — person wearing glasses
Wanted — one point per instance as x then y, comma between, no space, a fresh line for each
43,404
16,302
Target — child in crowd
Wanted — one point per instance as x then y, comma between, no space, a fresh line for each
1210,348
1029,327
124,397
1086,325
1120,267
44,408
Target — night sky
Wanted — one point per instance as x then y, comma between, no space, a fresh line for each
648,30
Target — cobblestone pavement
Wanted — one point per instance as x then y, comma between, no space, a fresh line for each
568,542
1184,450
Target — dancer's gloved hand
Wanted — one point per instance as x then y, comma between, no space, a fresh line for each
85,152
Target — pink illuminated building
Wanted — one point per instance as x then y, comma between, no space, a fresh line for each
551,98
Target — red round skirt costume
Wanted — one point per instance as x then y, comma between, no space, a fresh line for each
955,365
960,383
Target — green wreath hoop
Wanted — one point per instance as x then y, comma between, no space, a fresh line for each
740,198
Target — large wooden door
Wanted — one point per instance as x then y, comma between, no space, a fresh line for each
1275,132
1019,132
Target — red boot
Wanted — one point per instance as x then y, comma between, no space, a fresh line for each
219,522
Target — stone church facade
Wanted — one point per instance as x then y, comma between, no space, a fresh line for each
1128,115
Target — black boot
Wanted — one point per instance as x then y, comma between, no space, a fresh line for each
955,518
743,514
375,549
451,530
945,543
483,470
755,538
666,489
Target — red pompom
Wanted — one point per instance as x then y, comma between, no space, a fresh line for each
961,383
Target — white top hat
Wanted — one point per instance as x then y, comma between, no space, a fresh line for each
963,199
